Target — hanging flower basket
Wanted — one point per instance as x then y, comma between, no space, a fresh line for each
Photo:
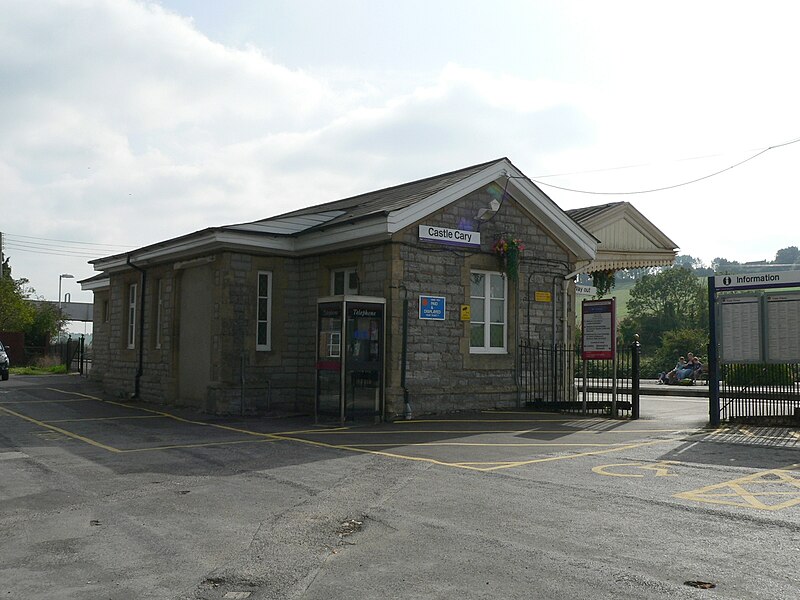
508,251
604,281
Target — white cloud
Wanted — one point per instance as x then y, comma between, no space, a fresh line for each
122,123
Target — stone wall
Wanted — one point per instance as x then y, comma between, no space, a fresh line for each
442,374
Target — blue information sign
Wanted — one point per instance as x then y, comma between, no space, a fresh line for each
432,308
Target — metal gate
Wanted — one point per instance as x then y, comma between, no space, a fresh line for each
557,379
759,390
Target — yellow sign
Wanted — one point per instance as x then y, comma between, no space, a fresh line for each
466,312
543,296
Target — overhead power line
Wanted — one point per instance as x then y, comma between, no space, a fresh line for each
57,247
660,189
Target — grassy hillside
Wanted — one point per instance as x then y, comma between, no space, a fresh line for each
621,295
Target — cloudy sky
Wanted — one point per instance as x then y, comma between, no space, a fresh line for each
126,122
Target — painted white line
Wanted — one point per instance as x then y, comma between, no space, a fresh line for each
687,448
12,455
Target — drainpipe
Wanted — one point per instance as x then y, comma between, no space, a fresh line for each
404,357
140,367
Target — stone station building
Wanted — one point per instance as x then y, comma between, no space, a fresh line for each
362,307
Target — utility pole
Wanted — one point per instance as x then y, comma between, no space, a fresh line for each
2,258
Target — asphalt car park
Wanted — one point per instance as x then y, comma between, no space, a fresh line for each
485,441
108,498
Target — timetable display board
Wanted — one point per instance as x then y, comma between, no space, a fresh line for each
740,318
783,327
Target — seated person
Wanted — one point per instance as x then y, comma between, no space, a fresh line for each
691,370
670,377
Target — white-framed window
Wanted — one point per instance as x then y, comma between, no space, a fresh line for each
344,281
132,316
264,311
488,307
158,313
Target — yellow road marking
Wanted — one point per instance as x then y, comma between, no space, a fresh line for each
661,469
104,419
517,432
582,454
490,445
74,436
288,436
166,414
752,491
504,421
200,445
42,401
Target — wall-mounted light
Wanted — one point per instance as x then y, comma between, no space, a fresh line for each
484,214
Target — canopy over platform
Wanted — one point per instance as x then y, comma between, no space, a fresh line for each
627,239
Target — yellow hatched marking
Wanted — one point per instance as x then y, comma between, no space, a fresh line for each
753,491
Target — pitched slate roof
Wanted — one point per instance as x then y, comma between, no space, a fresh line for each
627,238
581,215
367,218
379,202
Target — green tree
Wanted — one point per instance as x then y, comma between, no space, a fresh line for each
37,321
790,257
668,301
15,313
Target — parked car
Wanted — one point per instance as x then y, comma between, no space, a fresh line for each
5,363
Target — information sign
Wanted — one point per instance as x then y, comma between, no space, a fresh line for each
598,320
757,281
432,308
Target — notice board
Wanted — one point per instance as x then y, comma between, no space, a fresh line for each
598,321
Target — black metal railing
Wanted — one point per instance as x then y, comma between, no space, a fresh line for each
556,378
759,390
72,352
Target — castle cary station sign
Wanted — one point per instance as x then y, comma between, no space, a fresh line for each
454,237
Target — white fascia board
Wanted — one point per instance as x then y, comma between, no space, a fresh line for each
572,235
402,218
95,285
579,241
193,244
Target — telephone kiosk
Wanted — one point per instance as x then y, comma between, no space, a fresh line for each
350,358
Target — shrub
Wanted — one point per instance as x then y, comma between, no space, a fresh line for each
757,374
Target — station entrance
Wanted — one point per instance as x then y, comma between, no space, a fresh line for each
350,359
754,354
